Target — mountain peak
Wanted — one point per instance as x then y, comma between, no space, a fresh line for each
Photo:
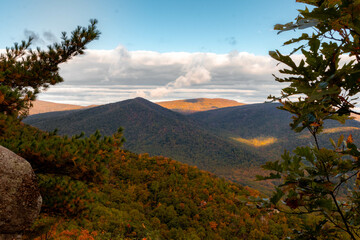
140,99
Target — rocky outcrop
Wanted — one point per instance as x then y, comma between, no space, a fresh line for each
20,199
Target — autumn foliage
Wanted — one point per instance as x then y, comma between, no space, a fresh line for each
92,188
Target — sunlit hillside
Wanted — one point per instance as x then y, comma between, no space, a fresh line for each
332,130
198,104
257,142
45,106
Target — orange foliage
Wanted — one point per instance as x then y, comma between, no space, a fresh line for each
252,192
213,225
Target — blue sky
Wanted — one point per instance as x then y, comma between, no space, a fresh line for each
155,27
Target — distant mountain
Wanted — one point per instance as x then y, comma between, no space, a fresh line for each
231,142
188,106
264,130
151,128
264,125
255,120
249,120
44,106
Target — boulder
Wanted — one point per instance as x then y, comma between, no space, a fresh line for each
20,199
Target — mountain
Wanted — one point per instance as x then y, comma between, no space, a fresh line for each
153,129
260,121
44,106
188,106
182,106
265,130
231,142
93,189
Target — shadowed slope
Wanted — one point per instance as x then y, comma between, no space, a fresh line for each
258,122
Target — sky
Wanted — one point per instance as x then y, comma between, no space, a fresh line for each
158,49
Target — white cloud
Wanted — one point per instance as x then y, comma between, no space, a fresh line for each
102,76
195,75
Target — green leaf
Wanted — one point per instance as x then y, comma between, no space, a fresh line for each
271,176
325,203
273,166
340,141
277,195
333,143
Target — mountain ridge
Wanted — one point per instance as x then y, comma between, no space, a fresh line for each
231,142
149,128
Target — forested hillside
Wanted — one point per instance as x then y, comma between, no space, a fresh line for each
231,142
264,130
93,189
265,123
150,128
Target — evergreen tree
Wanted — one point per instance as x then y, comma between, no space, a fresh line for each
25,72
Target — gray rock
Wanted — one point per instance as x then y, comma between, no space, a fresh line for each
20,199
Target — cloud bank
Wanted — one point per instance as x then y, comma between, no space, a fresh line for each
103,76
